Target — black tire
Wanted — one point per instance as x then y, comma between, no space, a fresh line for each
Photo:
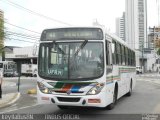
130,90
62,107
112,105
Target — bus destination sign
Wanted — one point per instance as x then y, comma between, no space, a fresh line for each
72,34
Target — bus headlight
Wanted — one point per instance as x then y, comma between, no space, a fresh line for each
43,88
96,89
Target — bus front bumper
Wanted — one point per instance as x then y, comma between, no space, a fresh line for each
66,100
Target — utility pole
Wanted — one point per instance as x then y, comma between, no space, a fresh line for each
157,2
142,62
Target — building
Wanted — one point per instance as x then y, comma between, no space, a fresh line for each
136,28
120,27
21,56
150,40
154,45
142,23
1,33
131,22
154,37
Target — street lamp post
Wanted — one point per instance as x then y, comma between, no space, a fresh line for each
19,75
142,62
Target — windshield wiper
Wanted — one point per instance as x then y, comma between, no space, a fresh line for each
81,47
54,42
75,54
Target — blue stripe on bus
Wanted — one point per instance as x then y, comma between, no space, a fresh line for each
75,89
109,82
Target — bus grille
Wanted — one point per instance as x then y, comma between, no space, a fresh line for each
64,99
66,91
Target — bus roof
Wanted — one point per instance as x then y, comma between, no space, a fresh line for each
116,38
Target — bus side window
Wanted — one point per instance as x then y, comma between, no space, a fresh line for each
107,53
118,50
129,57
126,55
113,52
123,55
108,57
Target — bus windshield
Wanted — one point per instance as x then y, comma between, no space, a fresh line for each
71,60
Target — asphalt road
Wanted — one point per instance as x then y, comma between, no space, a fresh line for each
145,99
25,84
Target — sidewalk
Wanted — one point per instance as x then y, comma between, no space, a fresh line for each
149,75
9,98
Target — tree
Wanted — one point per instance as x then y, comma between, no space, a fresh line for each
158,51
2,36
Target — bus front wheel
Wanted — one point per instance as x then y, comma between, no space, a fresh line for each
111,106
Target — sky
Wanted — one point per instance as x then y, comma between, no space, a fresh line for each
72,12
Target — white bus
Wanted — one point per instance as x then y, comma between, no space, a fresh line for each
83,66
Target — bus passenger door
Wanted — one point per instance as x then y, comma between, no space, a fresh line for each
109,71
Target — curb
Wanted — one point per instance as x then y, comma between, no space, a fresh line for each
8,84
150,76
152,81
12,101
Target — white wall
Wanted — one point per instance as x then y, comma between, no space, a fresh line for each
24,52
137,58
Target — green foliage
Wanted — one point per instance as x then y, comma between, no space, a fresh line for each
1,29
2,35
158,51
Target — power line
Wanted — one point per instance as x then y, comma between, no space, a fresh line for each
22,35
20,40
35,13
22,28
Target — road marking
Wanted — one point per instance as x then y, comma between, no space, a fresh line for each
18,109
